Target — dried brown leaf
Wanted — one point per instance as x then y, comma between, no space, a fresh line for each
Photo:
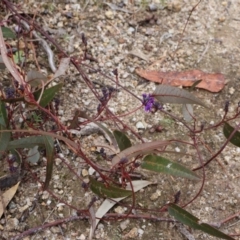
213,82
6,197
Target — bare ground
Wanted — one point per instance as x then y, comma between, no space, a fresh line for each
209,43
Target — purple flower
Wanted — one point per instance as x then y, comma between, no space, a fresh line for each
148,102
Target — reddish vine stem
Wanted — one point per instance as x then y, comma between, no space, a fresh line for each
35,230
220,150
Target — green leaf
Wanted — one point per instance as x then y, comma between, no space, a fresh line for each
160,164
188,219
27,142
122,140
48,94
3,114
8,33
49,145
4,136
18,57
108,191
30,142
227,130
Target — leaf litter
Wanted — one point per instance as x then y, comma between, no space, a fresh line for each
213,82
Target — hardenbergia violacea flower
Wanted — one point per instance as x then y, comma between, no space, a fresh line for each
149,103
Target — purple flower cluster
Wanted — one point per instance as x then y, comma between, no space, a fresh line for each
149,103
10,92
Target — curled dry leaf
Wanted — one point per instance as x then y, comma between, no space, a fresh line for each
213,82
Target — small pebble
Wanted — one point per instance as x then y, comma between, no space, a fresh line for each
177,149
124,224
231,90
119,210
140,125
152,7
45,195
84,172
12,224
155,195
109,14
58,161
175,6
140,231
82,237
132,234
131,30
91,171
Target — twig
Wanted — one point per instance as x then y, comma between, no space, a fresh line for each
185,26
184,231
110,216
42,90
203,53
48,225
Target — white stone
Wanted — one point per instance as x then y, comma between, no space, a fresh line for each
140,125
91,171
231,90
131,30
177,149
119,210
82,237
140,231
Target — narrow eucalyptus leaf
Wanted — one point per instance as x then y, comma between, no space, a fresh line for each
48,94
122,140
32,141
110,191
139,149
227,131
27,142
160,164
8,33
4,136
188,219
49,145
170,94
187,111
